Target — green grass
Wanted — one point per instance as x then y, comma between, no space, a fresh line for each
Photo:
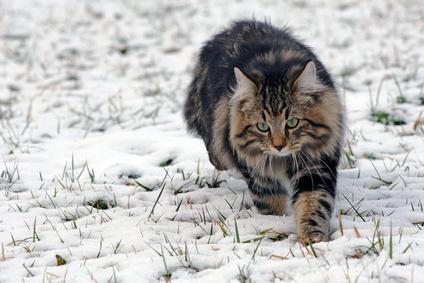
386,118
369,155
381,117
99,204
398,122
166,162
401,99
60,260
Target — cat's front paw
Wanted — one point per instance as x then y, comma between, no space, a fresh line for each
312,237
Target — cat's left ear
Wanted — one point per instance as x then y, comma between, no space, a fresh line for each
308,81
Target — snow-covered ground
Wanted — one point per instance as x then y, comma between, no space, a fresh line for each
100,182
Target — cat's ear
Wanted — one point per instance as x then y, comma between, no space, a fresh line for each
307,81
243,81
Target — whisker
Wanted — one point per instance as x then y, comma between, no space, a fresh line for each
335,178
307,168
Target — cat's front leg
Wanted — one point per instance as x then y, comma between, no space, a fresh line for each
313,202
268,195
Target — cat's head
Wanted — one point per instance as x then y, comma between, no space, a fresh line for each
283,114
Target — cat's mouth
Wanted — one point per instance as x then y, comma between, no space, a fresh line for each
288,150
280,153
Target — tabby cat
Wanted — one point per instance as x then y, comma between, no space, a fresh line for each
264,104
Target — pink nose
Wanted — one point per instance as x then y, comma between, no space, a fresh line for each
279,147
279,143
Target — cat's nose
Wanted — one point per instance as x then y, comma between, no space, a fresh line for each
279,147
279,143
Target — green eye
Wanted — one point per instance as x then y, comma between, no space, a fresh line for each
263,126
292,122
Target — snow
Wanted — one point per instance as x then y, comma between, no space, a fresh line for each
98,168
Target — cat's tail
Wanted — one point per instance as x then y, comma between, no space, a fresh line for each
193,105
191,114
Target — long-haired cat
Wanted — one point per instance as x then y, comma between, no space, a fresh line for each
264,104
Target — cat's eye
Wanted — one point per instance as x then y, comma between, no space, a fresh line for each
263,126
292,122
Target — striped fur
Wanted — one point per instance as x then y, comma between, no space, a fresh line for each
252,73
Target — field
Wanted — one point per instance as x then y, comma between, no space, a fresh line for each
100,182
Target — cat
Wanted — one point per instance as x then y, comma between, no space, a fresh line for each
264,104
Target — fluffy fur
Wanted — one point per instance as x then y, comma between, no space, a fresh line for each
255,73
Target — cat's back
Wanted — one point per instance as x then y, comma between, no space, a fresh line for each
242,41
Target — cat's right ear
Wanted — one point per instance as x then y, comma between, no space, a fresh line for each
243,81
307,80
